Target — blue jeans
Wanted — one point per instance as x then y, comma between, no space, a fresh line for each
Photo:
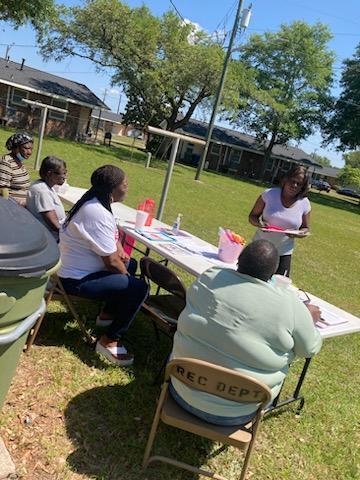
209,417
123,294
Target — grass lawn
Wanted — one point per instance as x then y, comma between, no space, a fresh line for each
70,415
123,140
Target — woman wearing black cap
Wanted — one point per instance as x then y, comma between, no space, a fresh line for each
13,174
93,264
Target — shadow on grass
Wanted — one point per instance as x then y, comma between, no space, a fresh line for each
109,427
60,330
334,202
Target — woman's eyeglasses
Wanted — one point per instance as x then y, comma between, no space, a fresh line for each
64,174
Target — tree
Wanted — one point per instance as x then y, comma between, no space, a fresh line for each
292,71
21,11
352,159
350,177
166,67
344,124
324,161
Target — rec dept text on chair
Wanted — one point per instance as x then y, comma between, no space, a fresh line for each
218,381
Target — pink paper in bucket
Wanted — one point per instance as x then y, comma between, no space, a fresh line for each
229,251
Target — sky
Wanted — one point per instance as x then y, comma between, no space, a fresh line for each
342,18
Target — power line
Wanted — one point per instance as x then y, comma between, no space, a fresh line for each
67,71
177,11
226,17
308,7
18,45
333,33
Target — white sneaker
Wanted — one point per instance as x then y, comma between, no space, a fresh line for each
103,323
117,355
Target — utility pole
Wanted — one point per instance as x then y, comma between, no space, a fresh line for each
244,23
119,103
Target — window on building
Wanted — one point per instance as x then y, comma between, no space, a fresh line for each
234,160
53,114
17,95
270,165
286,166
188,152
189,148
215,149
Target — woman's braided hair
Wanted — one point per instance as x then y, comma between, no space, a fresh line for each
103,180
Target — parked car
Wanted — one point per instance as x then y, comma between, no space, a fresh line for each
348,192
321,185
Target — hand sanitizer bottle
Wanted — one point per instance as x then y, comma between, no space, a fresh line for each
176,224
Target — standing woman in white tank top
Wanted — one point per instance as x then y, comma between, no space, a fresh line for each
287,207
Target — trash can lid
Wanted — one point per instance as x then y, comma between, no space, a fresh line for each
26,246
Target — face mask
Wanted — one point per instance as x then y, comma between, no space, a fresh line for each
20,157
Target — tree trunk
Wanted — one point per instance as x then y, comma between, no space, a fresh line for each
267,153
276,171
158,145
164,147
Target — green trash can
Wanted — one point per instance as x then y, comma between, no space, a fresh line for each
28,256
12,342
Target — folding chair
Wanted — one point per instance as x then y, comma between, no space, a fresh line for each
56,292
163,309
218,381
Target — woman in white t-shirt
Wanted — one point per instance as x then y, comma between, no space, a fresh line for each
94,264
42,200
286,207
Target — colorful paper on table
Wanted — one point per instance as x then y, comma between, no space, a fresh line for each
155,235
179,234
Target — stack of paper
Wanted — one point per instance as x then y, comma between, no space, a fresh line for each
329,319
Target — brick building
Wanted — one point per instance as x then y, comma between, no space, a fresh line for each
18,82
239,154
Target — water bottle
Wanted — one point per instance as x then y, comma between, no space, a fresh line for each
176,224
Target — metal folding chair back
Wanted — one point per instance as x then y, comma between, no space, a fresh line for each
164,309
218,381
162,276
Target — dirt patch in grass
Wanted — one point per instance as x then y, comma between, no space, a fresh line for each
35,431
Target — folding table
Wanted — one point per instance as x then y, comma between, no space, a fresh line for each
196,261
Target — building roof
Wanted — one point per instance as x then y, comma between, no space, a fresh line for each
107,116
44,83
328,171
198,129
